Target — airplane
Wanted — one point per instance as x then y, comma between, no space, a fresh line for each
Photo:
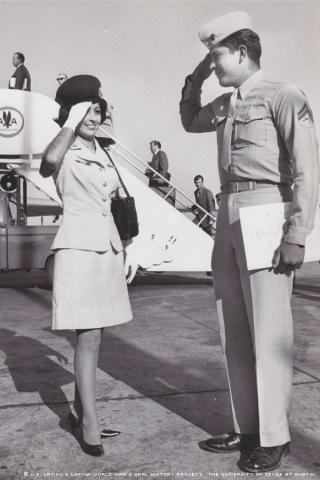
169,238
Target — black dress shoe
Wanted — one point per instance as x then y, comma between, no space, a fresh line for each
263,459
230,442
224,443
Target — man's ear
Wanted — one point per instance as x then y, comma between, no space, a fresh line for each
243,53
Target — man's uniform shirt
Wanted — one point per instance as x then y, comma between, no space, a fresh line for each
273,140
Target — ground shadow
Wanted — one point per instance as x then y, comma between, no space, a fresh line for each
307,292
32,369
201,403
172,278
204,404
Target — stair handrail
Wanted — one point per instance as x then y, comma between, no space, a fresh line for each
145,164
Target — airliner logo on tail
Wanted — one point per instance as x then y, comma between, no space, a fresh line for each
11,122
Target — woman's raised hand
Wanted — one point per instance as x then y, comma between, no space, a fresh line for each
76,115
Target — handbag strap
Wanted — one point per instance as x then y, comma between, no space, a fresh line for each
121,181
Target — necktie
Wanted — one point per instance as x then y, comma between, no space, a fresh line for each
227,134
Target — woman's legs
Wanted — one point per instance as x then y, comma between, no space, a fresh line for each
85,365
77,403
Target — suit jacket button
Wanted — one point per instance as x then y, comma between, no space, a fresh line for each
104,214
104,199
104,184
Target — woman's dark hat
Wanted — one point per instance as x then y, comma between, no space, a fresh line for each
77,89
81,88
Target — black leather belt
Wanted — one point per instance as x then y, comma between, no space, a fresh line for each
235,187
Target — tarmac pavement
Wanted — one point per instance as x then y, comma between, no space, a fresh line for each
161,381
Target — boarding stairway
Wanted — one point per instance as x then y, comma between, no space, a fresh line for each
182,202
168,240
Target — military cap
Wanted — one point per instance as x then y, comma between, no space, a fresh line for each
77,89
80,88
213,32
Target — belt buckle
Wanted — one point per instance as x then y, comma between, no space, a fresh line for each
234,187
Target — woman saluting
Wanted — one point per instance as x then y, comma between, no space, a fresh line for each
89,284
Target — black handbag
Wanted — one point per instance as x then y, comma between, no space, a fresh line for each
124,211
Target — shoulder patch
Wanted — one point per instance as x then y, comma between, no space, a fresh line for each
305,116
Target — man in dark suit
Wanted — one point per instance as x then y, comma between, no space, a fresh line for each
159,163
20,80
204,197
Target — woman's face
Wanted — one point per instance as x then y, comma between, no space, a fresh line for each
90,124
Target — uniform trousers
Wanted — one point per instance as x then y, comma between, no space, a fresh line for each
255,322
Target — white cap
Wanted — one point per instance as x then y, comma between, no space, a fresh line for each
216,30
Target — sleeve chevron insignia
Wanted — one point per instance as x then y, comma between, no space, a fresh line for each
305,116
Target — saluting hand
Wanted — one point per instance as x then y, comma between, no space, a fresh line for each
76,115
288,257
204,69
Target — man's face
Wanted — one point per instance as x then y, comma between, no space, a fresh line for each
198,183
15,60
227,65
61,78
153,147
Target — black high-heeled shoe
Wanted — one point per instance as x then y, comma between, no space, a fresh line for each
106,433
93,450
74,422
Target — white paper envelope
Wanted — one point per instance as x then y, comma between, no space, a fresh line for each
262,230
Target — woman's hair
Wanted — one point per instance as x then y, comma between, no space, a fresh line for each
65,110
249,39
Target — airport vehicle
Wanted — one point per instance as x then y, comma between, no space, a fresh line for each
24,246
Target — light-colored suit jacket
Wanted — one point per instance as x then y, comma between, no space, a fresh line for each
86,183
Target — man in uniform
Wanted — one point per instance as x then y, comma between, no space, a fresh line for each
267,153
20,79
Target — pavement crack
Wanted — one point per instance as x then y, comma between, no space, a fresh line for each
190,318
117,399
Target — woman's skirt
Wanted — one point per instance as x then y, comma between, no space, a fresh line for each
89,290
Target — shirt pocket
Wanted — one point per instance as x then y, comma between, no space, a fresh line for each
219,123
251,126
